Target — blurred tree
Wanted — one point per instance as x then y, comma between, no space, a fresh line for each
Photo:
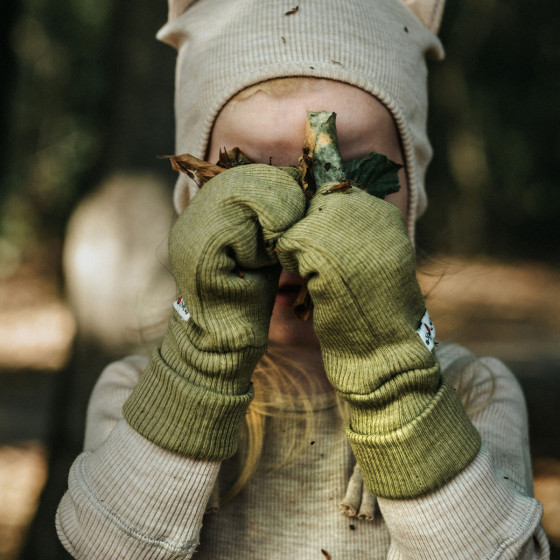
83,102
494,125
93,97
55,132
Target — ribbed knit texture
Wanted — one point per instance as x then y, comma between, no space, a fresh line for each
380,47
407,429
109,501
196,389
132,499
500,511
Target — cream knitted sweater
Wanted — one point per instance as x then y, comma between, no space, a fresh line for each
127,498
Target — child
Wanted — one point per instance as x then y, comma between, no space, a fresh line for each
418,477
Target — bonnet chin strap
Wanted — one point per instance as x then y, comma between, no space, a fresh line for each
359,501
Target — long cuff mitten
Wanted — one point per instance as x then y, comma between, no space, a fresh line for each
194,393
407,428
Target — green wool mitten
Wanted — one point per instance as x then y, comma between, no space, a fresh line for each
407,428
193,395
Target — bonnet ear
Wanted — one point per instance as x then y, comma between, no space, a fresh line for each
172,33
429,12
177,7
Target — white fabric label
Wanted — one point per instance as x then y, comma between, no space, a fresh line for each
427,332
181,308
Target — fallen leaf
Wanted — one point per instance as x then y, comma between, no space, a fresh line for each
343,187
303,303
202,171
197,169
375,173
232,158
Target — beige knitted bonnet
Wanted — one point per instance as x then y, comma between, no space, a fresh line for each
380,46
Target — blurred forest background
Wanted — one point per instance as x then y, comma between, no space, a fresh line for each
86,105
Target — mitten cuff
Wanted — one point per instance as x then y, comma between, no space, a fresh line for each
183,417
192,401
422,455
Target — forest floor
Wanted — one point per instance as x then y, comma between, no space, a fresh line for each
508,310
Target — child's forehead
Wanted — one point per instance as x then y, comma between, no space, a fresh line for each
267,123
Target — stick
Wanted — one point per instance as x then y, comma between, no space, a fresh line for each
320,165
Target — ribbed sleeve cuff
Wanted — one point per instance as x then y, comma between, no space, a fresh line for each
421,455
181,416
132,499
478,514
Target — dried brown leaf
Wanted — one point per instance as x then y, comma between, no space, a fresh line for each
343,187
303,303
202,171
197,169
232,158
305,166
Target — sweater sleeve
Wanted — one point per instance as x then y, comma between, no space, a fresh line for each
488,510
126,497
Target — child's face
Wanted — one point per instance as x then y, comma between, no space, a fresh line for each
271,129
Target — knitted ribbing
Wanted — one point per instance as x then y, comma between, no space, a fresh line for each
380,47
194,393
137,502
407,429
148,503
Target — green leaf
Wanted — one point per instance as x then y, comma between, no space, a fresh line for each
374,173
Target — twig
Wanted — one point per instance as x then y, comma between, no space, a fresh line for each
320,164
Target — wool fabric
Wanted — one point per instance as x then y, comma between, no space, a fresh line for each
379,46
149,503
407,429
193,395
